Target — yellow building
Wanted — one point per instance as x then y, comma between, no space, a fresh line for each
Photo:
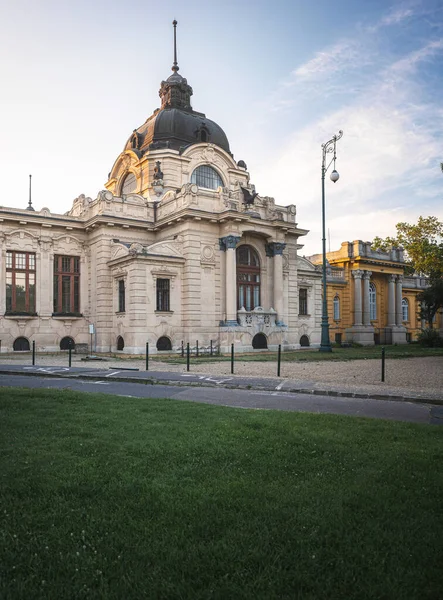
370,301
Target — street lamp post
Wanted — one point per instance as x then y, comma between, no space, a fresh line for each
328,148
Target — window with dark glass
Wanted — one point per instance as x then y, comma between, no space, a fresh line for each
248,278
121,296
66,284
303,301
206,177
20,282
163,294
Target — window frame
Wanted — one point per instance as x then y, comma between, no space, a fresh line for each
405,309
29,269
60,275
248,279
163,294
121,296
372,302
303,302
336,307
198,177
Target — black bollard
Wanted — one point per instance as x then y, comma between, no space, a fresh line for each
183,349
232,358
33,352
187,356
196,347
70,355
147,356
211,347
278,360
382,364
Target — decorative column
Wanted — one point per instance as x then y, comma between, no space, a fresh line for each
357,297
391,301
275,250
228,245
398,298
366,311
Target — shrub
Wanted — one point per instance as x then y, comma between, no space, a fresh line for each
430,338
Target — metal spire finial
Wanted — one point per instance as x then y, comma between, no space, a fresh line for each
175,64
30,207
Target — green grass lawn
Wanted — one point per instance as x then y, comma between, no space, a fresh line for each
121,498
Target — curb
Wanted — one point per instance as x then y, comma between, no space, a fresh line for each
292,390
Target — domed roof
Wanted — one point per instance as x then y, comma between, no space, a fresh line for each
176,125
177,129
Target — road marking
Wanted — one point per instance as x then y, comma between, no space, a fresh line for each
113,373
47,370
204,378
280,385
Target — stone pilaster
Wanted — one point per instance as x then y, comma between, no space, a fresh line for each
391,301
398,299
275,250
357,275
228,244
366,311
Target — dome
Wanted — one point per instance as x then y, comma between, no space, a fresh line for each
176,128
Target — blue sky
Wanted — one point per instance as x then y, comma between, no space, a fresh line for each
280,78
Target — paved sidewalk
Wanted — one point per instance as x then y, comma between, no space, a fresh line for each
345,379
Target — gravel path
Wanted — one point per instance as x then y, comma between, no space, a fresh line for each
413,374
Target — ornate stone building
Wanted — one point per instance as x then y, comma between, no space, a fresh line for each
369,298
179,247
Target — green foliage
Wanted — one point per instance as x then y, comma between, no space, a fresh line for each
432,300
110,498
430,338
422,243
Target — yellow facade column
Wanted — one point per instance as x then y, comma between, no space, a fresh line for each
398,298
228,244
391,301
357,275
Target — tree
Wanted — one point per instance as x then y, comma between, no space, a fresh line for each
423,244
431,301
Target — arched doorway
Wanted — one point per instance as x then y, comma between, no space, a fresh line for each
21,344
259,341
66,343
120,343
164,343
304,340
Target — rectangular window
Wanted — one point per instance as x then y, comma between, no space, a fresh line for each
121,296
303,301
66,284
20,282
163,294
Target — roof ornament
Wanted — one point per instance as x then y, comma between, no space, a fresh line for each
30,207
175,67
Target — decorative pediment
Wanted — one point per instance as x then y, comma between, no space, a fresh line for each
165,248
305,264
119,251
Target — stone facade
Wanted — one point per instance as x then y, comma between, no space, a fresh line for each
369,298
155,257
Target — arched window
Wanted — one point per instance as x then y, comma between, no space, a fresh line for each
164,343
304,340
21,344
259,341
66,343
372,302
248,278
120,343
206,177
405,309
129,184
336,307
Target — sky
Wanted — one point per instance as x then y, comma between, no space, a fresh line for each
281,78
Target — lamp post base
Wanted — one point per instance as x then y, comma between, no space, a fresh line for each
325,343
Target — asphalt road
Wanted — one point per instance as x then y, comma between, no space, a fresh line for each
252,399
